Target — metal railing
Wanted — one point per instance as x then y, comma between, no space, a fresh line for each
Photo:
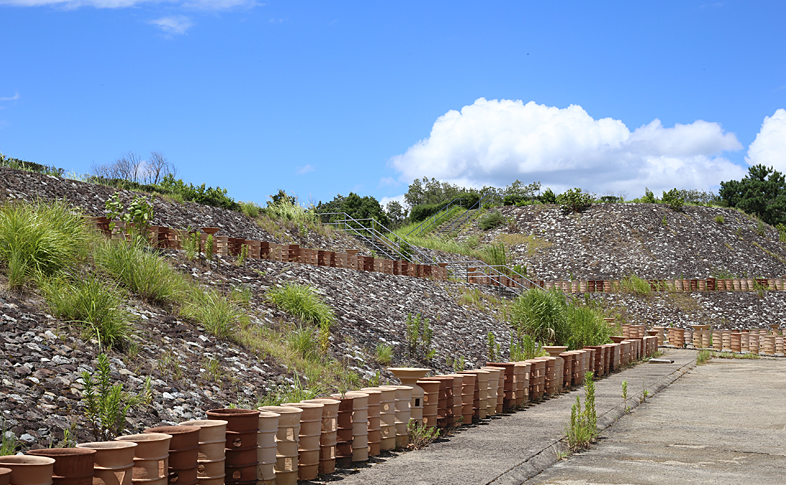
436,218
499,275
377,239
463,218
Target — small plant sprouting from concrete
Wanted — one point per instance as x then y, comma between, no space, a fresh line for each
703,357
583,428
625,395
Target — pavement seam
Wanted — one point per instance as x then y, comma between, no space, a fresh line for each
537,463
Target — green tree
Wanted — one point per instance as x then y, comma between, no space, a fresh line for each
356,207
396,213
762,192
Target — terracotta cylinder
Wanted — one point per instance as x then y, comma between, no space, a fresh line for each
481,393
409,377
28,470
430,401
520,382
445,415
462,402
73,466
113,462
327,441
491,390
183,452
779,344
374,420
241,463
387,418
753,343
508,382
717,339
567,370
151,457
359,425
468,397
211,452
769,345
287,442
308,439
344,432
5,476
726,340
403,413
735,342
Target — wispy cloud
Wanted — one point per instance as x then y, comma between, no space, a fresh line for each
305,169
388,181
12,98
173,25
276,21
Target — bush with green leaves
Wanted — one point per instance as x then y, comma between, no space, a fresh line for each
106,404
574,200
762,192
673,199
40,239
491,220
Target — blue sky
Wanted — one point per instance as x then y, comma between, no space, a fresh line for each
322,98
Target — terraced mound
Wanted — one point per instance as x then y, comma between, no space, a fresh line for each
610,241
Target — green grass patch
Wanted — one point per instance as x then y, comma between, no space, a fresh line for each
93,304
302,302
634,285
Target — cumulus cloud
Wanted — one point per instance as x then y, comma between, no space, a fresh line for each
173,25
769,147
399,198
494,142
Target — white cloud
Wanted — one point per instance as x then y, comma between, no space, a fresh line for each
12,98
495,142
388,182
399,198
305,169
769,147
173,25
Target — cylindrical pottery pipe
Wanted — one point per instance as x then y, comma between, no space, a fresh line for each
403,401
507,388
359,425
287,441
151,457
327,441
5,476
183,452
481,389
28,470
310,434
374,420
211,452
344,432
496,374
113,461
73,466
458,398
241,443
409,377
430,401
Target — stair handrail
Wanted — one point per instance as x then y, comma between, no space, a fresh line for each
395,246
439,213
460,220
495,274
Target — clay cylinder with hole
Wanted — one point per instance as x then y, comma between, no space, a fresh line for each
73,466
287,442
403,399
522,370
374,420
151,458
467,397
430,401
327,440
308,439
359,426
113,462
445,416
241,463
211,461
387,418
409,377
458,398
481,392
28,470
183,452
508,385
344,432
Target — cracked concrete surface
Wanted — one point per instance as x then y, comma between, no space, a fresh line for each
722,423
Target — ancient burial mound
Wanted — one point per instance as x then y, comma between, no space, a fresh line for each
611,241
42,358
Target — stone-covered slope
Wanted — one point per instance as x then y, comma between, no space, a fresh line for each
610,241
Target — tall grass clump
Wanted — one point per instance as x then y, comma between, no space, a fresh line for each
635,285
40,238
547,316
93,304
213,311
583,427
144,273
303,302
287,209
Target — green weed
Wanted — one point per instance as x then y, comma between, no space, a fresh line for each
383,353
583,427
302,302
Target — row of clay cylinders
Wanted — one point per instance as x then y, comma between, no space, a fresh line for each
676,337
496,388
328,438
508,389
480,394
309,436
352,428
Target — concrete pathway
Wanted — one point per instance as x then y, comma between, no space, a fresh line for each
723,423
511,449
